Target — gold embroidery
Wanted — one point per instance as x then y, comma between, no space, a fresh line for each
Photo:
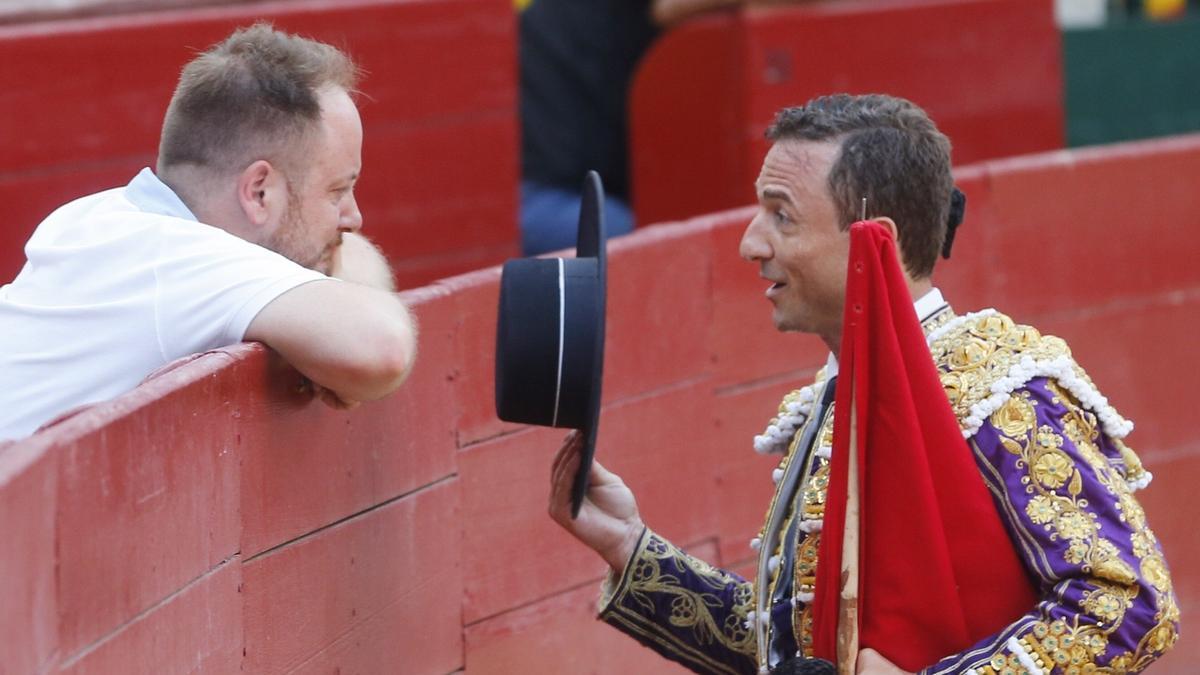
1074,649
1057,504
691,609
806,562
971,359
815,488
802,617
980,352
1002,664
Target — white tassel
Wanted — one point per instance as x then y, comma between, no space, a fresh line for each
955,323
804,596
776,476
779,432
1014,645
756,543
1060,369
773,564
1141,482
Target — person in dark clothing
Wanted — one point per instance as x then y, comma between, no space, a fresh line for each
577,58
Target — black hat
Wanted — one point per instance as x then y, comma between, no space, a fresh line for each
550,336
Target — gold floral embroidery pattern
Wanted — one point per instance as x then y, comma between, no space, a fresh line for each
812,497
981,352
805,581
802,617
651,580
1059,507
812,504
988,356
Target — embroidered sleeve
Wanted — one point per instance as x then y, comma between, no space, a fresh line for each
1063,488
683,608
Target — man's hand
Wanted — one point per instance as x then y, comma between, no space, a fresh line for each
329,397
608,521
359,261
871,662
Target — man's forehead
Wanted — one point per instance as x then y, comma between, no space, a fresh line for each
789,162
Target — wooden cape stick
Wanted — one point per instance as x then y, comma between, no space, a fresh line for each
847,623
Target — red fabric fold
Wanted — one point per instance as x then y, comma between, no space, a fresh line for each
937,571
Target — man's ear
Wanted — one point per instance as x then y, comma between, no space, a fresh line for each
890,225
261,192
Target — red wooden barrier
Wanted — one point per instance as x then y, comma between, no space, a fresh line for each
81,102
989,71
217,520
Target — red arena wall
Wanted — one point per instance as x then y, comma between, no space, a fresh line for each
217,520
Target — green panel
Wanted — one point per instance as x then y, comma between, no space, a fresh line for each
1133,79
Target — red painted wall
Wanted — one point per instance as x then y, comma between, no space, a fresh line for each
215,519
81,104
989,72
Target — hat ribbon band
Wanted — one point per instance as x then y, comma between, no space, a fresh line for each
562,310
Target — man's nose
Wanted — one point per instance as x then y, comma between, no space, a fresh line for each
351,218
754,245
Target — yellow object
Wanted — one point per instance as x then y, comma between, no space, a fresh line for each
522,5
1164,9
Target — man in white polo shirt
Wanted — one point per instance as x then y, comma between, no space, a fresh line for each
247,230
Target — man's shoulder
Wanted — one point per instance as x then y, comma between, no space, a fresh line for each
983,357
988,342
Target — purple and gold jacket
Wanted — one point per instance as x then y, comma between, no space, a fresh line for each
1050,449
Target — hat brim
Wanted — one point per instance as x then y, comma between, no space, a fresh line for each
591,243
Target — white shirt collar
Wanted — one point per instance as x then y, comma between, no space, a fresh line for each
926,306
147,192
929,304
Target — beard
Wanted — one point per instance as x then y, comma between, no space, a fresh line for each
292,240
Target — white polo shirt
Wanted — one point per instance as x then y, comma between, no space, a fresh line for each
116,285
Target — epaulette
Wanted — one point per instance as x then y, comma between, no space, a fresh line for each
985,356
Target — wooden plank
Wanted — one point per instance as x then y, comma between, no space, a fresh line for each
656,442
658,302
196,630
147,496
476,299
1065,225
28,617
376,593
309,465
560,634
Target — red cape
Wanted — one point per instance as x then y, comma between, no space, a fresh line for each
937,571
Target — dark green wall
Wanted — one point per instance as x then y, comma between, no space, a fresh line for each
1132,79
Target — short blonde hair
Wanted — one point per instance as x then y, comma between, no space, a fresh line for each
251,96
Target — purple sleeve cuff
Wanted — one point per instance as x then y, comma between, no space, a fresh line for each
683,608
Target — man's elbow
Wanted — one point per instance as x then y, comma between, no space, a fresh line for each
383,365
